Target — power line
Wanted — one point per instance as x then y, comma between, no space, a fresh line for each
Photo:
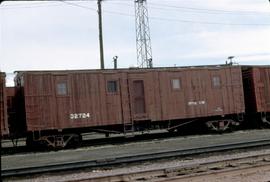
206,22
189,21
198,10
209,10
155,6
47,1
162,18
99,11
77,5
184,20
206,12
36,5
23,4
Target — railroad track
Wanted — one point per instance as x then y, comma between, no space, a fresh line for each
130,159
115,140
201,170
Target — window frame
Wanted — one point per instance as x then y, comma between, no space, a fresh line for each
108,90
179,83
214,81
62,94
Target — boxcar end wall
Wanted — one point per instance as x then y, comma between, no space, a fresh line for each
3,106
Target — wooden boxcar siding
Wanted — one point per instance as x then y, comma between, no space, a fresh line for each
87,93
197,96
3,108
261,82
141,94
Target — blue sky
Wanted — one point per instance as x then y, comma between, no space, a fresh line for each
61,35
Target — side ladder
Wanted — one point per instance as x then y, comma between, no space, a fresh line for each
129,129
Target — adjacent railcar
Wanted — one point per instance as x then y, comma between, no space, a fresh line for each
16,119
11,100
3,106
256,81
59,105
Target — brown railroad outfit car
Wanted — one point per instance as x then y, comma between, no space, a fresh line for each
257,91
3,108
60,100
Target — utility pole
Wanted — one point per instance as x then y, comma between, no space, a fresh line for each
100,34
99,27
143,41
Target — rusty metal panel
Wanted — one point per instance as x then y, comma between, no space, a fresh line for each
261,86
201,92
3,106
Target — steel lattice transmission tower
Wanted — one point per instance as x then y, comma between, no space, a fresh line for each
143,41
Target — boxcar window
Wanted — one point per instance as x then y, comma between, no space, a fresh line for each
216,82
62,88
176,84
112,86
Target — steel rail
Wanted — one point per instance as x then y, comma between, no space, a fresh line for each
131,159
177,173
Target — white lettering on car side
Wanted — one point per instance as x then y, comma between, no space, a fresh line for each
75,116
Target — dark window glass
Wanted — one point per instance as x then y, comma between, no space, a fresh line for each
61,88
112,86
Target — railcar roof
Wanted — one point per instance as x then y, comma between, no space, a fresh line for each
132,68
135,69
